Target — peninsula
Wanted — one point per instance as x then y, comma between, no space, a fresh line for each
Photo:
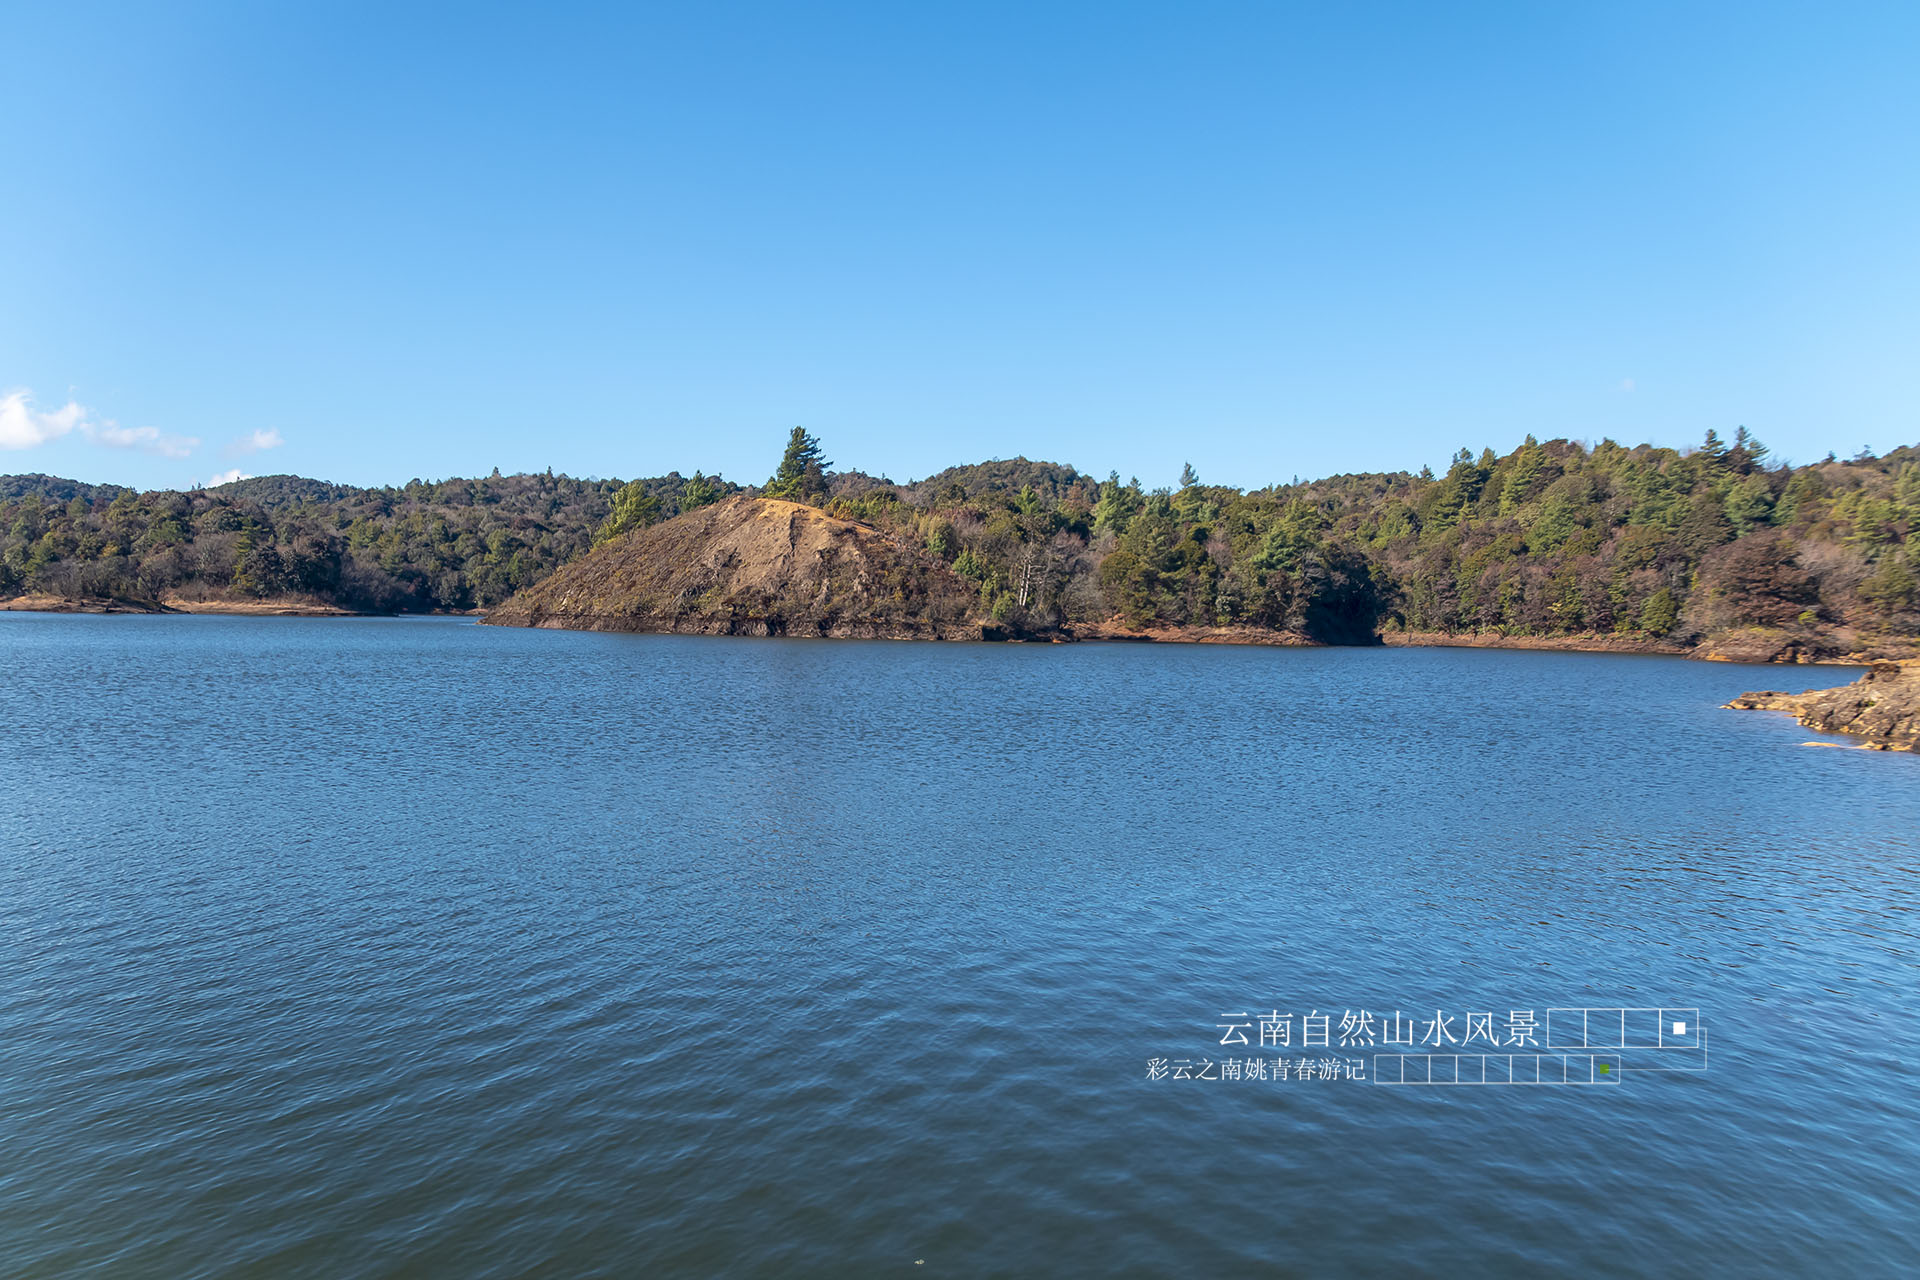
1715,551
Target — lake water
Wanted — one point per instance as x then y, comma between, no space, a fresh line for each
416,948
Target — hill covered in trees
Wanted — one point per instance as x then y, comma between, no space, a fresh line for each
450,545
1555,540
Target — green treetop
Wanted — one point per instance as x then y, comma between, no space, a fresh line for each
633,508
699,492
802,474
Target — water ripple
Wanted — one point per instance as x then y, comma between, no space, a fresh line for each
411,948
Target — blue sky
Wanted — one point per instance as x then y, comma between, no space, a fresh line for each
373,242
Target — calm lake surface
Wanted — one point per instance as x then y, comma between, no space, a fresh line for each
415,948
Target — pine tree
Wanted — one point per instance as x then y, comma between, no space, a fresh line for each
1891,590
802,473
1750,503
633,508
699,492
1747,453
1116,505
1660,612
1459,491
1712,453
1529,461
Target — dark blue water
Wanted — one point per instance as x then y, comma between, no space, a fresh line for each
419,948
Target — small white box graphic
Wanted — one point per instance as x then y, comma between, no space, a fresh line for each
1679,1028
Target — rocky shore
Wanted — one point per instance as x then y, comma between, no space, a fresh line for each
1881,707
271,607
1588,642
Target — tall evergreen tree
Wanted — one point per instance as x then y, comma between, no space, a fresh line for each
801,476
1712,452
1747,453
699,492
633,508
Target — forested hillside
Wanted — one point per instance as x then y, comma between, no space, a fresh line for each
1552,539
457,544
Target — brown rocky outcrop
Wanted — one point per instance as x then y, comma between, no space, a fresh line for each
754,566
1882,707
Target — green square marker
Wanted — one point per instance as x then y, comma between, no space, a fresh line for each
1606,1068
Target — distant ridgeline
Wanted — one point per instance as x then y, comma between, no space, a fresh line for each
457,544
1553,540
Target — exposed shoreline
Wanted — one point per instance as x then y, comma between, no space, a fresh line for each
1882,707
1739,649
272,607
1588,642
1750,647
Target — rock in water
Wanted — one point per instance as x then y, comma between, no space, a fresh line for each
1883,706
754,566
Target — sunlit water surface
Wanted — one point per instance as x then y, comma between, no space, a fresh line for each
413,947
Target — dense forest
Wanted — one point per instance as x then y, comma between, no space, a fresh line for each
457,544
1552,539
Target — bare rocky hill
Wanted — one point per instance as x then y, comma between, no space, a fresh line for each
754,566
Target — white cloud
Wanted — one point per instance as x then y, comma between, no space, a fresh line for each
226,477
22,426
145,439
255,442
